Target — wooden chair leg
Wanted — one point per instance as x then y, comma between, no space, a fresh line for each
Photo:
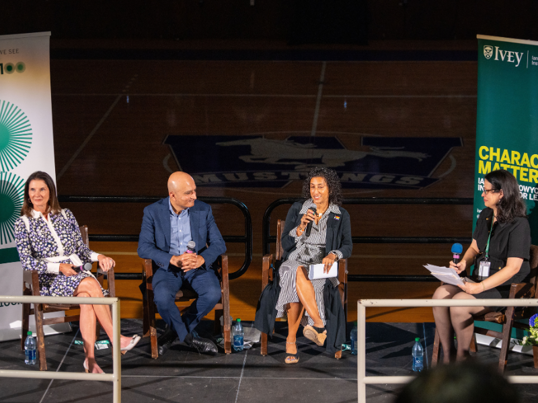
145,318
436,348
227,325
151,324
264,344
25,323
38,313
474,345
507,330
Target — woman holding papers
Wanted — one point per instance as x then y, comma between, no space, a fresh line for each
317,231
49,241
500,250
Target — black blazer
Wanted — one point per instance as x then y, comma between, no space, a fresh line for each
338,232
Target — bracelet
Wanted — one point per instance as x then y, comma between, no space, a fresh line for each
483,286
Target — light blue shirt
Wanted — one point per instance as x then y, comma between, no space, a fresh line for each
180,226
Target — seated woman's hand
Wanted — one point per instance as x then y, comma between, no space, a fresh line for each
328,262
459,267
67,269
106,263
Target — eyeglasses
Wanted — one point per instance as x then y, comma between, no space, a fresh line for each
486,191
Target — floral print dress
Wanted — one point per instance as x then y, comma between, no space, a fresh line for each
44,244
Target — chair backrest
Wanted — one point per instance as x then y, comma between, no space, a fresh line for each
85,235
533,262
280,224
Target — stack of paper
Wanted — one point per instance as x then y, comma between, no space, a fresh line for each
445,274
316,271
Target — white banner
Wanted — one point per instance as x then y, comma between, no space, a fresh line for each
26,146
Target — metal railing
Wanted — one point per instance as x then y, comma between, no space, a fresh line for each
246,239
267,238
115,377
362,304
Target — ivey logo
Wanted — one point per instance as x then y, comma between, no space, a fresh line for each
257,161
10,68
508,56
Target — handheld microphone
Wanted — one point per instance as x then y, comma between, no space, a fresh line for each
84,267
309,226
456,251
191,247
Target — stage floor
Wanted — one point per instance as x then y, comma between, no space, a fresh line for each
182,375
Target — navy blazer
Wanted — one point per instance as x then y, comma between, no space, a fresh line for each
338,232
154,240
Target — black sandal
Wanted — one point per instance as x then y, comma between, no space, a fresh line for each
291,358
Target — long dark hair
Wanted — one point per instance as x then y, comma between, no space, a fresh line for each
53,204
332,179
511,204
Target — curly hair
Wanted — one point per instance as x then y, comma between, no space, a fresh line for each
332,179
511,205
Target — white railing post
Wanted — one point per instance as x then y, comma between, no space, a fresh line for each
115,377
363,380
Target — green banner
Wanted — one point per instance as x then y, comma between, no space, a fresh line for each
507,122
507,117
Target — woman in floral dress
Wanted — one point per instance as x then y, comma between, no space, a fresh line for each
49,241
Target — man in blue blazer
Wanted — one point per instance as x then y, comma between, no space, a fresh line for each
167,227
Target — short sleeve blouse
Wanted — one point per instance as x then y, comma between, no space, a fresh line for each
509,239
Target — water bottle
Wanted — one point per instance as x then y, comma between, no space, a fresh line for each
238,335
30,350
418,356
353,336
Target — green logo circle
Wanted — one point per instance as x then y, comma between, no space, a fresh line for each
15,136
11,198
9,68
20,67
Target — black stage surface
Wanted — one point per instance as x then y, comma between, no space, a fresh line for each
182,375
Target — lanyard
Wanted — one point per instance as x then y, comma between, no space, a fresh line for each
489,237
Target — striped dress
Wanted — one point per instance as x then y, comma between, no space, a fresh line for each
309,250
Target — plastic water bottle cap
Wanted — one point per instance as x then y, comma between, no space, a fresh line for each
239,320
29,333
417,339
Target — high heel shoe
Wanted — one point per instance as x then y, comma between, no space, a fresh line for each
315,334
291,358
134,341
85,365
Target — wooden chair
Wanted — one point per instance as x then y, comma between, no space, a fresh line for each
31,287
267,275
507,319
185,297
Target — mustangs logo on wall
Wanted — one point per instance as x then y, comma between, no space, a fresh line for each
256,161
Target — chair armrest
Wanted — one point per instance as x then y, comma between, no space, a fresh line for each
35,283
266,270
147,273
520,290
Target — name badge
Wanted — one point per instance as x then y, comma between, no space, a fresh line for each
483,269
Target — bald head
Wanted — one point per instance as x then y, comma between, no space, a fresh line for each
182,191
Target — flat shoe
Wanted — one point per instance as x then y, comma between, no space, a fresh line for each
134,341
315,334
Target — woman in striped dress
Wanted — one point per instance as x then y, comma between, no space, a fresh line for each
301,299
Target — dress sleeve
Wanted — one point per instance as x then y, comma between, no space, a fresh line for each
25,247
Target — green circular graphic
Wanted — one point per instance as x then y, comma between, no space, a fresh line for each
20,67
11,197
9,68
15,136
